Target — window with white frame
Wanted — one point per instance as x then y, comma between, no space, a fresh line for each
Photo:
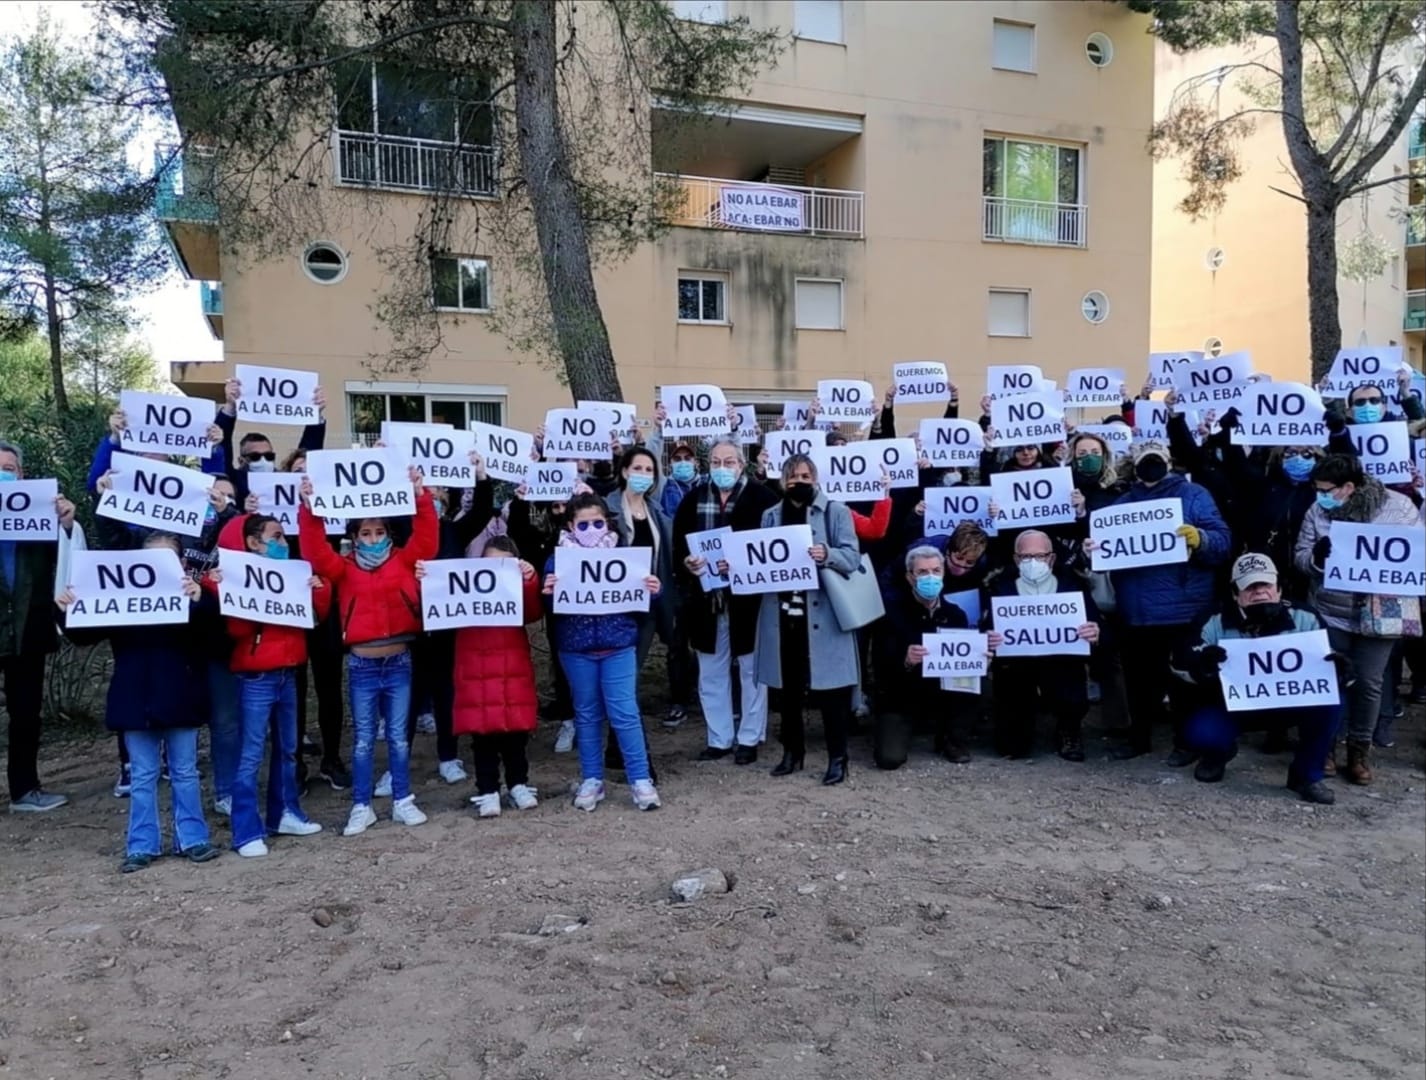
1012,46
819,304
1009,313
702,296
1032,191
367,411
460,283
819,20
707,11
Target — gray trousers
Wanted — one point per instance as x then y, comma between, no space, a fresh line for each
1369,656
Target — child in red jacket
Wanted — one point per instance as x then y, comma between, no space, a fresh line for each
379,610
266,660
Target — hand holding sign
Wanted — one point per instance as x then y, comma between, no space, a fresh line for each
274,591
30,510
361,483
166,424
155,495
1285,671
268,395
127,588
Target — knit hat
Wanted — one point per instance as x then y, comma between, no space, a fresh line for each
1150,449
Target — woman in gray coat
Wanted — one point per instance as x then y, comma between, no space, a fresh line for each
801,649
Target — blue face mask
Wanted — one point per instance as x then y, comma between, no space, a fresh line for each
928,586
1328,501
639,483
6,475
723,478
275,549
376,550
1367,414
683,471
1298,468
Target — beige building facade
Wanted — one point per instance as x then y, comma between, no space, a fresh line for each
964,182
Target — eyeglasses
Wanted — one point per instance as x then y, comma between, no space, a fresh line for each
585,526
255,455
1035,556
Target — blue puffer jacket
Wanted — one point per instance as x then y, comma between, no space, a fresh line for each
590,633
1178,592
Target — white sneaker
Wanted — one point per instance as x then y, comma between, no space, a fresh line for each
590,795
452,772
124,785
487,805
383,786
362,818
253,849
646,796
224,806
426,724
406,812
564,741
292,825
524,797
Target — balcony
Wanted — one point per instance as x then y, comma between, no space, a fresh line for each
1023,221
211,296
704,202
1415,310
402,164
184,202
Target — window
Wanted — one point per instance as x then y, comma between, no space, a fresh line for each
707,11
819,20
1213,258
1032,192
324,263
1012,46
1213,347
1099,50
703,297
1009,313
819,304
461,284
368,411
1094,307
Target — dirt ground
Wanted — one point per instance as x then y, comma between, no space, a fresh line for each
992,920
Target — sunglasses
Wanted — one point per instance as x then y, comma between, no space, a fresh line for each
1368,401
585,526
254,455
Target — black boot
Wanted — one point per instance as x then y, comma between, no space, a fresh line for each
837,769
789,764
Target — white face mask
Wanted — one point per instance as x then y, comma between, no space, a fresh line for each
262,465
1034,571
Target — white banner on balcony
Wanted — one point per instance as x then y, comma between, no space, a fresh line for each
769,209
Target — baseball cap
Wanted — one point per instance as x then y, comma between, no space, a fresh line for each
1150,449
1253,569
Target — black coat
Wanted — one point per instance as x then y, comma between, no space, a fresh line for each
907,620
27,605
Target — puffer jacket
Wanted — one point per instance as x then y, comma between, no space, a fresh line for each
1370,504
1174,593
495,677
375,605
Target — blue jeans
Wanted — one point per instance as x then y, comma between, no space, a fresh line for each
269,703
189,827
380,692
606,686
1213,732
225,726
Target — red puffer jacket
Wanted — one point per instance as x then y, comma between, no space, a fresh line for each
495,677
256,646
373,605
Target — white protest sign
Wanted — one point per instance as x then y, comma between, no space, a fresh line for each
166,424
846,401
1162,366
621,414
853,472
708,546
1137,534
1284,671
968,600
1215,382
1385,450
601,581
764,208
27,510
951,442
1368,365
276,591
1007,380
947,507
156,495
1385,559
795,414
360,483
1033,498
441,452
472,592
1040,625
551,481
574,435
1027,419
781,445
507,453
771,560
277,395
278,495
1280,414
921,381
1095,386
1151,421
126,588
749,431
694,409
1118,437
955,654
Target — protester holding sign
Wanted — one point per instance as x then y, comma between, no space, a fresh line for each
1256,612
801,648
1362,627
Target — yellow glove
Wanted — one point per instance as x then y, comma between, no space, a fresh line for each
1191,536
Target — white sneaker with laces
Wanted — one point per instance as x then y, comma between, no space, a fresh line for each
487,805
426,724
646,796
453,772
223,806
383,786
124,785
524,797
590,795
406,812
292,825
564,741
362,818
253,849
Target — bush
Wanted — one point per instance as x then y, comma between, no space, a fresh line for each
57,445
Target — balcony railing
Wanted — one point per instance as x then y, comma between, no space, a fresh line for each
1025,221
390,161
1415,230
701,202
1415,310
185,184
211,295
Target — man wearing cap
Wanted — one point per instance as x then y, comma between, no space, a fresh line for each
1257,610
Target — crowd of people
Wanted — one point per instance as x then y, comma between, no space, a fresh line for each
1257,524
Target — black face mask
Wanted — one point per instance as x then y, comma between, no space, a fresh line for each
798,494
1259,616
603,470
1151,469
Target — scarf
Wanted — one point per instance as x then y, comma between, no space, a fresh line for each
368,562
1364,505
712,512
608,539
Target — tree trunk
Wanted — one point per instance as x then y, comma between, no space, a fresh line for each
1323,312
564,245
54,330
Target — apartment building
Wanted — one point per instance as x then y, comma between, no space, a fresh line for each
1237,279
965,182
